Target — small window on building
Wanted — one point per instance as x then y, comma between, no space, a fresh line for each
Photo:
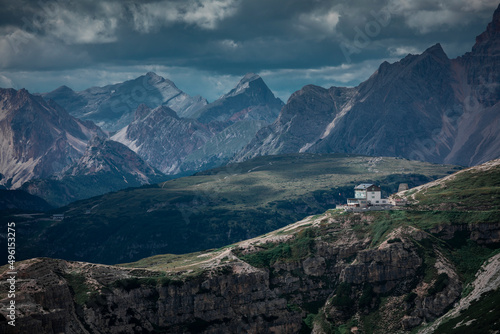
376,201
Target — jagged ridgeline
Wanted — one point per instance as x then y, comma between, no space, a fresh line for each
213,208
432,267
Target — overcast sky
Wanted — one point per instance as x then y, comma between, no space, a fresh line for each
206,46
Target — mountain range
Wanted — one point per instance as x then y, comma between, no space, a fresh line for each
426,107
210,138
112,107
54,161
49,153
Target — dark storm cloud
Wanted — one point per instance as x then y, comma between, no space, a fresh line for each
231,37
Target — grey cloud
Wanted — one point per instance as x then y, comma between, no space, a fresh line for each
206,14
227,38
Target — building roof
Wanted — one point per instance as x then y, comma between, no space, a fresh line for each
363,186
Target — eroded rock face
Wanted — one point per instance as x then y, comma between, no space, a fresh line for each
162,138
56,297
386,267
483,234
343,274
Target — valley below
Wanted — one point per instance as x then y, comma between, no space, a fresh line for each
210,209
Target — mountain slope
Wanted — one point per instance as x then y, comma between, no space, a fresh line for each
402,271
162,138
305,115
112,107
221,147
37,138
212,208
22,201
424,107
105,166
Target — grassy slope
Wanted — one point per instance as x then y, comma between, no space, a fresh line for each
470,189
477,202
214,208
72,188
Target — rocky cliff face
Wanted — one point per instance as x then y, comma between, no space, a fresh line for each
112,107
104,155
307,113
426,107
37,138
327,266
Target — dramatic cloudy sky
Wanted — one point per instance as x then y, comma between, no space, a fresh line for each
205,46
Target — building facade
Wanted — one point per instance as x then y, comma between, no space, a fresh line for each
366,194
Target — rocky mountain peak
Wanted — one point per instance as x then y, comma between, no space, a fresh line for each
492,31
165,111
103,154
155,79
39,138
152,75
250,99
488,43
63,89
141,112
113,106
249,77
481,67
18,97
244,84
436,50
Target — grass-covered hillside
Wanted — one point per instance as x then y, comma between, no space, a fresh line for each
476,188
213,208
365,261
